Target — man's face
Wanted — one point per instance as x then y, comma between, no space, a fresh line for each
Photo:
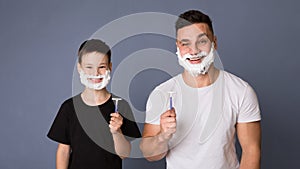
194,39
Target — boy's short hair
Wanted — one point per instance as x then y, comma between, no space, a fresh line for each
94,45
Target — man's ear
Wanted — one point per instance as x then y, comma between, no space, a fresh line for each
177,43
215,42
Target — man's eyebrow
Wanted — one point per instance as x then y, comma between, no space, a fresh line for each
202,34
199,36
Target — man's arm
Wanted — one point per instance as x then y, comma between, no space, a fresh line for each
62,156
249,135
154,144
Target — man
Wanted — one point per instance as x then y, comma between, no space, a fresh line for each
207,108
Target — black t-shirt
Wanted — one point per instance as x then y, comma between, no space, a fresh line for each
85,129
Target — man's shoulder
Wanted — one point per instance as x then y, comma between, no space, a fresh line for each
233,80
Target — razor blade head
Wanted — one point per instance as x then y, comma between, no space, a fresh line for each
116,99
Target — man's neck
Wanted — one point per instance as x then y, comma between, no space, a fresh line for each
201,80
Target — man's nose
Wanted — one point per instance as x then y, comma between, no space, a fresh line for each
194,50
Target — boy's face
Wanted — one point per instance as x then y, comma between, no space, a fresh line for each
95,64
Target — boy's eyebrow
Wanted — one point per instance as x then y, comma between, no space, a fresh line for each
89,64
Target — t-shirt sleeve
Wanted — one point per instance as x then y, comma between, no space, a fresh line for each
129,128
249,109
59,130
156,105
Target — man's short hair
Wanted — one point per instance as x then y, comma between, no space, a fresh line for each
94,45
191,17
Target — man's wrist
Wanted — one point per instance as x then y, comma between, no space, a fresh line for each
163,137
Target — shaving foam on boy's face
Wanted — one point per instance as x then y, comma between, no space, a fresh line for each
95,82
196,69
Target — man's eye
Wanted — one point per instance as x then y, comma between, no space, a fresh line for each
88,67
203,41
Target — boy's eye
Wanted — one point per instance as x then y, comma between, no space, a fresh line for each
185,44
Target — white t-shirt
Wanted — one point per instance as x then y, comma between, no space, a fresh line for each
206,119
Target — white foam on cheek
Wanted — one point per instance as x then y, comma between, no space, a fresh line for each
97,86
189,56
196,69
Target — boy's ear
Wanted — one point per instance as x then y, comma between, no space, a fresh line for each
110,66
79,67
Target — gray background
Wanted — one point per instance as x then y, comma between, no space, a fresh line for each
258,41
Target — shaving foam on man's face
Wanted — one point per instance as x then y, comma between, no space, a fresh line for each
95,82
196,69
